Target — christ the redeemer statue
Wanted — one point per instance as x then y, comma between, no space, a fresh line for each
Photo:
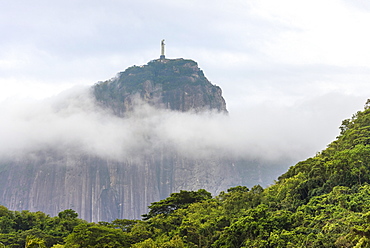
162,50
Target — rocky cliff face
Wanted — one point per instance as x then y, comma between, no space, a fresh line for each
100,189
103,189
175,84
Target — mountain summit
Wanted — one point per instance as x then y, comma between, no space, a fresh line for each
113,164
175,84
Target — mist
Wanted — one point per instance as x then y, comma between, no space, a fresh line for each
73,122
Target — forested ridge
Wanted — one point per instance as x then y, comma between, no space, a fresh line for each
323,201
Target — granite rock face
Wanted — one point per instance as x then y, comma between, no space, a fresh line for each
102,189
175,84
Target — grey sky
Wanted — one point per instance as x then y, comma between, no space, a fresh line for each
293,67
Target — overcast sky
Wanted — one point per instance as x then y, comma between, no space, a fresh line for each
291,67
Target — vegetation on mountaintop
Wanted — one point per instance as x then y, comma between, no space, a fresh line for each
169,81
170,74
321,202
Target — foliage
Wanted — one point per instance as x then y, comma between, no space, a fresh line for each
91,235
177,200
33,242
28,229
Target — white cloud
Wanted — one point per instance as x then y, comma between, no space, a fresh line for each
321,32
274,61
72,121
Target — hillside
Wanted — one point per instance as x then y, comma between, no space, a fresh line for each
323,201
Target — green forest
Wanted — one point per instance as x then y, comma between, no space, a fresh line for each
323,201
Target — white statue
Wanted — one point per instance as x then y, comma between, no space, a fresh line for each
162,49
